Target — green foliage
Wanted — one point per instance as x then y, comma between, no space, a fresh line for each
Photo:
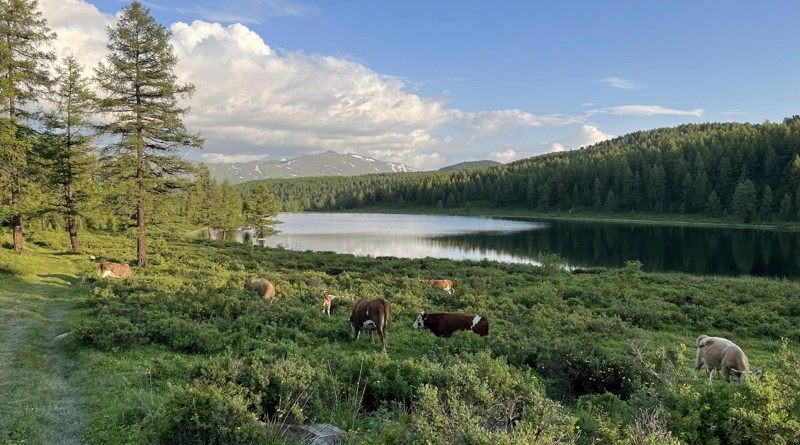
207,413
193,348
140,92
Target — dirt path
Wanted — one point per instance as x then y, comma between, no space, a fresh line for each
38,403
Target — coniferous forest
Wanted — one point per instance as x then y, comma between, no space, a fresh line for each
743,171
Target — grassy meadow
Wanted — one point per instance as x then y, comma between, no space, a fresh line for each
181,353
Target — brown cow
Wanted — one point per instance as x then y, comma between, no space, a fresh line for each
445,285
443,324
115,270
264,288
371,315
327,300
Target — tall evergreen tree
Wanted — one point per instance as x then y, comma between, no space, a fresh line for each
259,206
66,148
141,95
744,201
24,37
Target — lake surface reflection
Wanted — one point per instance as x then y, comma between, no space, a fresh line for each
696,250
407,236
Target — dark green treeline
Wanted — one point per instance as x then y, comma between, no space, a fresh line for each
750,172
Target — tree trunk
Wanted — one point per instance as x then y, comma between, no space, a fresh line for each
71,226
16,218
141,245
73,235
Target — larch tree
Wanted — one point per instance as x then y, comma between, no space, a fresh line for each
24,58
66,148
259,208
141,95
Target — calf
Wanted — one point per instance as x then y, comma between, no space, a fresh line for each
445,285
723,355
115,270
327,300
443,324
264,288
371,315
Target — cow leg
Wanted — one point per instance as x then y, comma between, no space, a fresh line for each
726,372
372,336
697,365
710,375
356,333
383,340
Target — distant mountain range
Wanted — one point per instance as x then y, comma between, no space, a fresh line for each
322,164
470,164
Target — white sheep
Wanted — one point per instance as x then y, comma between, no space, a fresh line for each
723,355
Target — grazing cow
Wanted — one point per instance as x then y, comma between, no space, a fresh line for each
443,324
723,355
264,288
371,315
327,300
115,270
445,285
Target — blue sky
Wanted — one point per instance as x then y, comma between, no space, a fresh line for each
432,83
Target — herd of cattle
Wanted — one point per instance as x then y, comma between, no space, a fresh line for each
372,315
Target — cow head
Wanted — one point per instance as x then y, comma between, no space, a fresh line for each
741,376
420,322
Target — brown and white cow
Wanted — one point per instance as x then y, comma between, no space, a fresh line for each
445,285
264,288
115,270
327,300
443,324
372,315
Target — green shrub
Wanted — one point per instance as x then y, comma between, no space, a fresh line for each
108,332
209,414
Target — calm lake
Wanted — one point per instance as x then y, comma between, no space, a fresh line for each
698,250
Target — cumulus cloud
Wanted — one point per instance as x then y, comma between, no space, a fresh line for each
81,30
557,147
278,104
649,110
504,156
620,83
591,134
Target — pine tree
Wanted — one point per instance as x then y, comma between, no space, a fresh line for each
141,94
24,36
744,201
66,148
259,206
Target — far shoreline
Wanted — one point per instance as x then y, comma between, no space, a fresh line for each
648,219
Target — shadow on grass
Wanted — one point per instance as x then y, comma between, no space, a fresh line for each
51,278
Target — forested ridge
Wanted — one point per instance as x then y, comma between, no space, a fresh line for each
747,171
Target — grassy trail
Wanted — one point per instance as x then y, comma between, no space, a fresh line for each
38,403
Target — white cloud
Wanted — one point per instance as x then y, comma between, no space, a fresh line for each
285,104
504,156
620,83
557,147
226,158
648,110
81,30
590,134
491,122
